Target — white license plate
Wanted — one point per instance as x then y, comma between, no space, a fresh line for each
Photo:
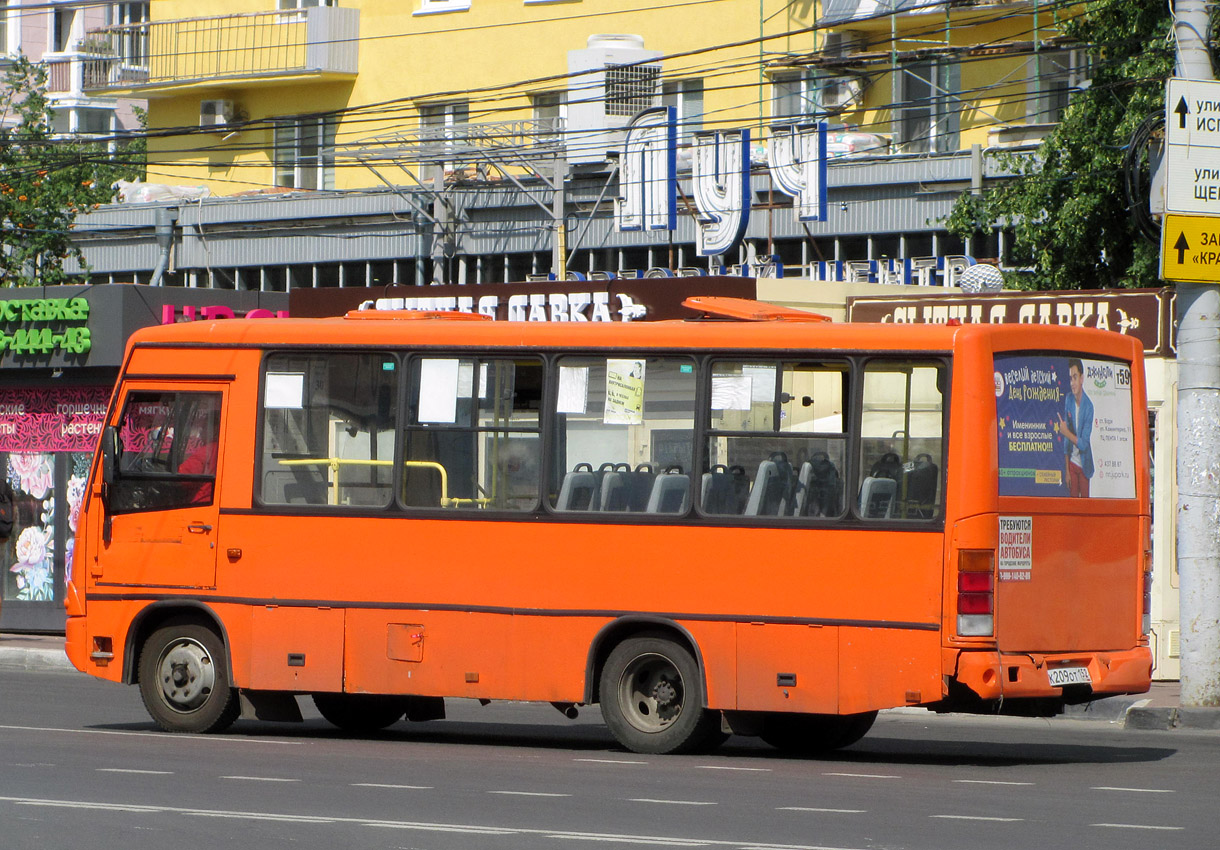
1061,676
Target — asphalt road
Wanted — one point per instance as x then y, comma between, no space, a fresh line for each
82,766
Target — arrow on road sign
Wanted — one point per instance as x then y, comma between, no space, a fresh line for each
1182,111
1181,246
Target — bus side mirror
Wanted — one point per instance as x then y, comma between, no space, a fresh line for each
110,454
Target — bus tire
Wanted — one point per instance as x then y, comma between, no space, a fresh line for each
810,734
360,714
649,693
184,680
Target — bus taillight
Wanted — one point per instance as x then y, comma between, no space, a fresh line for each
976,593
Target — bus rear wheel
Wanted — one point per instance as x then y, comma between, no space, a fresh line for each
360,713
809,734
184,680
650,698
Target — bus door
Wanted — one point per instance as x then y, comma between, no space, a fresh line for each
163,460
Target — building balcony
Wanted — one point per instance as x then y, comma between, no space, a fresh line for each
161,58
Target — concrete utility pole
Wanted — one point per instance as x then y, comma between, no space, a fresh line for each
1198,458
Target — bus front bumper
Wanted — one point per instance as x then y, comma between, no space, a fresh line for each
1070,676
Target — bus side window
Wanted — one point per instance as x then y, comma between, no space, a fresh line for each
169,442
902,440
624,438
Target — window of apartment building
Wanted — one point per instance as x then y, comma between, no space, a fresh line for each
432,7
686,97
4,27
132,41
444,124
801,95
82,121
63,20
550,114
931,111
1055,76
289,5
305,154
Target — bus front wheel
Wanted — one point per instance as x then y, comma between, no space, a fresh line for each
184,680
650,697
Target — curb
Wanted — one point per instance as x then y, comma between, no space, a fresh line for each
24,659
1169,718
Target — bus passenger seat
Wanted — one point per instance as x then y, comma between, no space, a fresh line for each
877,496
767,491
670,494
615,494
578,492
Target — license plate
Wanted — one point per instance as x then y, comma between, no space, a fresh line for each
1061,676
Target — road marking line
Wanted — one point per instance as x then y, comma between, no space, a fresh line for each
529,793
397,787
977,817
223,739
1134,790
989,782
474,829
864,775
610,761
1137,826
132,770
261,778
826,811
728,767
670,802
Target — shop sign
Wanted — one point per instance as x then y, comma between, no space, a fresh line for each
45,325
191,313
51,419
1144,314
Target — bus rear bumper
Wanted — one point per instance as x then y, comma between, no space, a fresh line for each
998,676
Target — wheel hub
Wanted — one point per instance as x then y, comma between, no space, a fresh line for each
186,675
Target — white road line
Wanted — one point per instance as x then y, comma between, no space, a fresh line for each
261,778
824,811
669,802
989,782
220,739
727,767
977,817
864,775
529,793
473,829
131,770
1134,790
610,761
394,787
1137,826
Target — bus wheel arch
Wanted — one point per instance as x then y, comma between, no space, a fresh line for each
624,628
184,675
159,614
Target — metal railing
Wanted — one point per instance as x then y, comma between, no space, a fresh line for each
316,40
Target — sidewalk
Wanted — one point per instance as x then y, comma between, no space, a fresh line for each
1160,708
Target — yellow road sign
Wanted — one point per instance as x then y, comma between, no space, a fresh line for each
1190,248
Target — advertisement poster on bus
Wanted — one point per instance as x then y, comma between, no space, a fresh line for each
1065,427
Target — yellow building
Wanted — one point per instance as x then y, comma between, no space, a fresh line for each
368,92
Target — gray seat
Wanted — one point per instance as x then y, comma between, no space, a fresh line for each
670,494
615,492
578,492
877,497
767,494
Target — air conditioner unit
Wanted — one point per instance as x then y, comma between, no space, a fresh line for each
609,82
839,92
842,43
214,113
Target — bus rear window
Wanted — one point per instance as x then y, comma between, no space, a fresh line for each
1064,426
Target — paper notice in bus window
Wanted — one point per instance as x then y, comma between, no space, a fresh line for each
624,392
1016,555
730,392
438,390
284,391
762,383
573,389
1064,427
465,384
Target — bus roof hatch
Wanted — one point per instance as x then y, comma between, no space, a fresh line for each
747,310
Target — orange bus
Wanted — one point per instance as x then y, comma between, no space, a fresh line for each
768,526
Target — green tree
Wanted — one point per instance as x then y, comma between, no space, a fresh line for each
45,181
1067,209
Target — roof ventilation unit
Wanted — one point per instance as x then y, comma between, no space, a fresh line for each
610,81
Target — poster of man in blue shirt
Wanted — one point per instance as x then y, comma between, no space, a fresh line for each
1076,426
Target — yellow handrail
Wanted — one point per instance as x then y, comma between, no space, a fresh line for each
335,462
